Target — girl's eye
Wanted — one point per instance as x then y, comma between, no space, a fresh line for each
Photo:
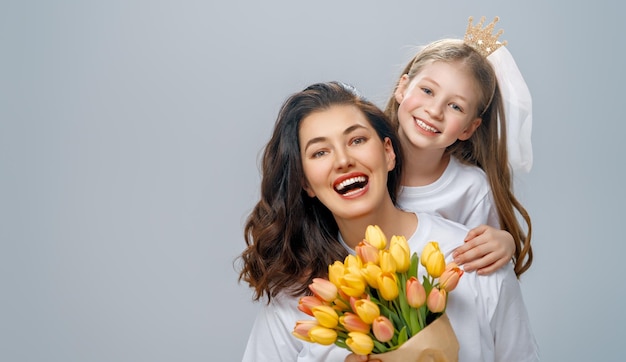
456,107
427,91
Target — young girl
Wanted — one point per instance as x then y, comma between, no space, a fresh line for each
330,169
448,109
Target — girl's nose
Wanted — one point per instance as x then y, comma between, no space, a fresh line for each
435,109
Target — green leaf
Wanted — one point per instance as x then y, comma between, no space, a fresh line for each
341,343
414,322
413,268
402,336
379,347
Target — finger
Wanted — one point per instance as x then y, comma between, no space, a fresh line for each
479,263
470,253
469,245
476,232
493,267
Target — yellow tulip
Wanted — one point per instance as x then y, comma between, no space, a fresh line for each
360,343
367,252
335,272
366,310
340,305
370,273
323,335
436,300
302,328
388,285
353,284
429,248
387,262
383,329
326,316
353,323
432,259
375,236
399,249
415,292
352,262
323,289
450,277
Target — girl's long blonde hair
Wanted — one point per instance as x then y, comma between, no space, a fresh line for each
487,147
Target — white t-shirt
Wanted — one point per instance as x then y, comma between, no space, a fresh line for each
487,313
461,194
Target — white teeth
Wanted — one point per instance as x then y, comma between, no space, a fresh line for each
425,126
350,181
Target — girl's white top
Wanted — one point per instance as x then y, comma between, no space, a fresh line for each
461,194
487,313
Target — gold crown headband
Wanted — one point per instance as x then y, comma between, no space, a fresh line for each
483,39
515,93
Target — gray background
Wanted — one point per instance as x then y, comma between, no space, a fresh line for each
129,139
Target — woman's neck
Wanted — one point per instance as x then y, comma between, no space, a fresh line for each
392,221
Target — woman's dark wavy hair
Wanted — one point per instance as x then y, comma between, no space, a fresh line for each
292,238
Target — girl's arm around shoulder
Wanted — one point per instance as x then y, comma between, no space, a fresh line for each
486,250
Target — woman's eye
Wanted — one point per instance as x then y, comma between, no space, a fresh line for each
318,154
359,140
427,91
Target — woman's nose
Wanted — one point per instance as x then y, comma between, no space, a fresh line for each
343,159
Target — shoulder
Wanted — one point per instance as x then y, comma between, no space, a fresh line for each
470,173
270,337
447,233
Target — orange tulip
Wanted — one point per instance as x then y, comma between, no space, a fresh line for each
450,277
353,323
323,289
360,343
302,328
367,252
307,302
415,292
383,329
436,300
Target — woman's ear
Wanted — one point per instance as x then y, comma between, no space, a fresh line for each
307,188
469,130
403,83
390,154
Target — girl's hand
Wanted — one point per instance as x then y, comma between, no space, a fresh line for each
486,250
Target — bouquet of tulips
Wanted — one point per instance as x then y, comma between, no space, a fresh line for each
373,302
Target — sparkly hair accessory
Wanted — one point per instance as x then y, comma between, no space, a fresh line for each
483,39
515,94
